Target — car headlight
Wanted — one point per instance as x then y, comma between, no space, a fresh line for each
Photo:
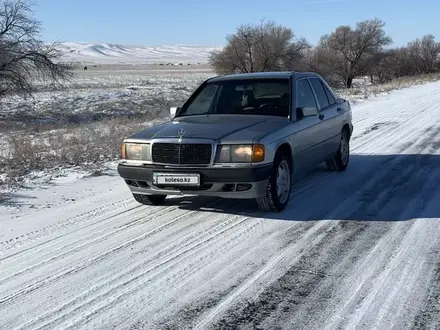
136,151
240,153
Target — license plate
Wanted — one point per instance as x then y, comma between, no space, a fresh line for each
176,179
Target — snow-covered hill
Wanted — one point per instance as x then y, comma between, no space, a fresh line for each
105,53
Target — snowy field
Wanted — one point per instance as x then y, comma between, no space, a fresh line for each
83,122
358,249
103,91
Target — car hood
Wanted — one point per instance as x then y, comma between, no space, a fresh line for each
216,127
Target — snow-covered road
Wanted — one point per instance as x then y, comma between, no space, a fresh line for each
359,249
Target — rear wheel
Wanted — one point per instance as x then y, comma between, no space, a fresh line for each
150,199
340,161
278,189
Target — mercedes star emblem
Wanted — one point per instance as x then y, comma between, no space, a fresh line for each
181,134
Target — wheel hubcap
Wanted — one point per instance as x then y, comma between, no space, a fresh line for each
344,149
283,181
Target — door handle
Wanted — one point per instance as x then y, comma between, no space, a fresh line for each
339,109
321,116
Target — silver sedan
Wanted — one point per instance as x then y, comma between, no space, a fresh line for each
240,136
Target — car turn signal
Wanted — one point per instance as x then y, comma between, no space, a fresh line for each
123,155
257,153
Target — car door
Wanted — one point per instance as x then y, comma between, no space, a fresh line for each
330,115
306,139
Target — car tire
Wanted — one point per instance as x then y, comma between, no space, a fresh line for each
272,201
150,199
342,157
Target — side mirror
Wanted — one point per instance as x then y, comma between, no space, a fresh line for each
306,112
173,111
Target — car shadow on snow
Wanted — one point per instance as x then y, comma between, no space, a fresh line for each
373,188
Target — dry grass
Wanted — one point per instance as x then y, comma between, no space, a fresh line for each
366,90
89,146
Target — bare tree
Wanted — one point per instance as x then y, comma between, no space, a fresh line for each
24,58
328,62
383,66
257,48
420,56
424,53
348,49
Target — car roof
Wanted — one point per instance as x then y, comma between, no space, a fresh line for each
262,75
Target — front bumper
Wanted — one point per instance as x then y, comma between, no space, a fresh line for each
243,183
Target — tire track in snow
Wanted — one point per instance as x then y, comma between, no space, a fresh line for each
91,239
296,298
359,139
55,253
225,270
104,219
295,249
150,233
54,240
364,270
365,294
66,252
75,269
404,244
372,185
116,287
429,315
60,225
146,262
172,248
258,310
178,279
294,284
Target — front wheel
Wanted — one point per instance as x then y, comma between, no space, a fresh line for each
278,189
340,161
150,199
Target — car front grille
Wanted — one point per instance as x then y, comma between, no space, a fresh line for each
182,153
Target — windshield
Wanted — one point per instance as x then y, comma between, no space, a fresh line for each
269,97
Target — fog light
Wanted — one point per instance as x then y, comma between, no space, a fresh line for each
243,186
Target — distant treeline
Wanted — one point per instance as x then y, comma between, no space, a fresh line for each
340,57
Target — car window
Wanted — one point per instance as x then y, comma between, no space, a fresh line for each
330,97
202,102
320,93
305,97
270,97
